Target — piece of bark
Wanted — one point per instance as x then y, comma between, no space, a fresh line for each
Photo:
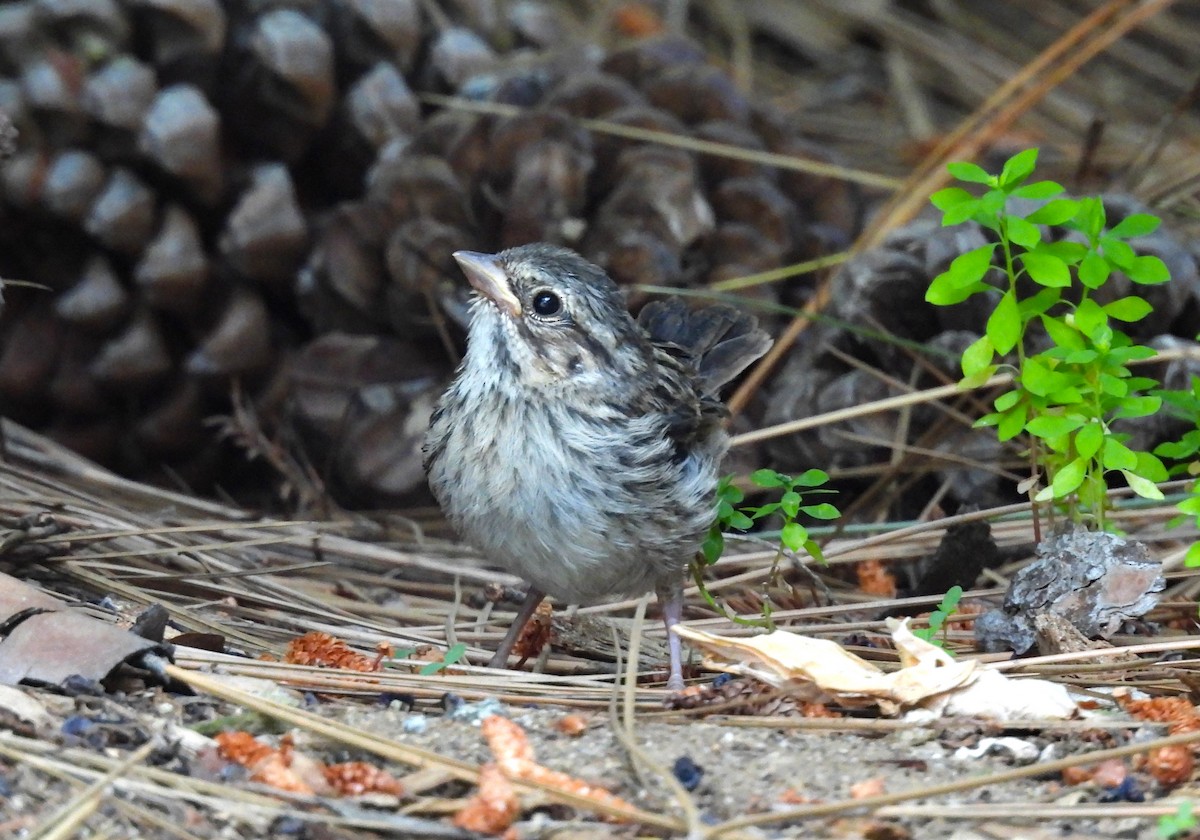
1094,580
47,643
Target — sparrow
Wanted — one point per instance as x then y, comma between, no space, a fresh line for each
577,447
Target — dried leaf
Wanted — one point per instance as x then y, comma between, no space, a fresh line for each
48,643
818,669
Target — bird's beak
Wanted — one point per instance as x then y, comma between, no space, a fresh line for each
487,275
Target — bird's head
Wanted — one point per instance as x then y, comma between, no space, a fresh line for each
551,318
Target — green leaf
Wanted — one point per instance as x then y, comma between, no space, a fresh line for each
969,172
769,478
1192,558
452,655
960,213
1054,425
950,197
970,268
1018,167
1118,253
1004,324
1139,407
1039,379
1120,355
1089,316
1006,400
811,478
977,379
1046,270
1139,224
950,600
1148,271
789,503
1068,479
977,356
1054,212
740,521
1067,395
814,551
1039,189
1090,217
821,511
793,535
1190,505
944,291
713,546
1038,303
1012,422
728,492
1150,467
1128,309
1069,252
765,510
1093,270
991,205
1079,357
1142,486
1063,334
1175,450
1117,456
1089,439
1022,232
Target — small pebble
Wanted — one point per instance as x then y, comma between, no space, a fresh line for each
415,724
1127,791
475,712
76,725
397,700
688,772
289,826
106,603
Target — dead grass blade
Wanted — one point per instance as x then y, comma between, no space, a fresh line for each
68,821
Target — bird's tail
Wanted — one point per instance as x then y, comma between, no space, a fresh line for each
720,340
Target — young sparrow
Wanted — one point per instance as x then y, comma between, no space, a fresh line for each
579,448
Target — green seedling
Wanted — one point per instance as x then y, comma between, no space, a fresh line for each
1182,822
1185,456
793,536
1044,268
453,654
937,618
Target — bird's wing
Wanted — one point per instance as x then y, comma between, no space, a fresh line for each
718,340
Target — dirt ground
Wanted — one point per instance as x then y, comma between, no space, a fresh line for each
743,769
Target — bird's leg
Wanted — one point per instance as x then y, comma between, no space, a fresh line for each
670,599
533,597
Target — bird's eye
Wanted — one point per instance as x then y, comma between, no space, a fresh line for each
546,303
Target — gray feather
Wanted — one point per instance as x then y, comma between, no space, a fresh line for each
718,340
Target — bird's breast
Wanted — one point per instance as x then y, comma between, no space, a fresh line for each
583,502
